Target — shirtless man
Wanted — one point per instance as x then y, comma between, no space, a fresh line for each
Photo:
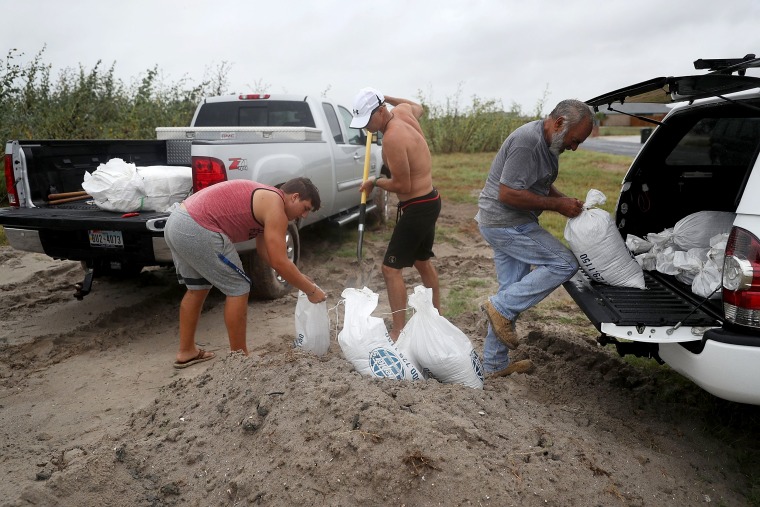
406,154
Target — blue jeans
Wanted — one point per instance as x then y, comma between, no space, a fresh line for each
516,249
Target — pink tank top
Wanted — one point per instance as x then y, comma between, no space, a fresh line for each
227,207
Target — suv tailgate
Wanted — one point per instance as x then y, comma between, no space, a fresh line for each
645,315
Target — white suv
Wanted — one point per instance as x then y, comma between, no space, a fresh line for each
702,156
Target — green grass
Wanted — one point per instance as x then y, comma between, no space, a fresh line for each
464,297
460,177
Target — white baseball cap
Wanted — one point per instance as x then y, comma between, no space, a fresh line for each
366,101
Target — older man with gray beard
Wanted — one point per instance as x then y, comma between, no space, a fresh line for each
519,187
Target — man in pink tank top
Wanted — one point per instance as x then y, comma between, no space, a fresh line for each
202,235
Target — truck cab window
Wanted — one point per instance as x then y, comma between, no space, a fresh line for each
354,135
260,113
332,121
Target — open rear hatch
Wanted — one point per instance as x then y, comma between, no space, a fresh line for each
667,311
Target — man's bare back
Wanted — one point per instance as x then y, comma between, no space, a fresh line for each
406,153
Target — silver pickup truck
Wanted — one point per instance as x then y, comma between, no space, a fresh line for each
266,138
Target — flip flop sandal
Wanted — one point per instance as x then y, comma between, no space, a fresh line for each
201,357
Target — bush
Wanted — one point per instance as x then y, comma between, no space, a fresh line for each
480,127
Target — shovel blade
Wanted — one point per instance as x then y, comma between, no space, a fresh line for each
361,279
359,246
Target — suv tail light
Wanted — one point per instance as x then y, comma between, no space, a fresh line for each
10,182
207,171
741,279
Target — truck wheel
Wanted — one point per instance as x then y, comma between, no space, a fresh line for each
381,213
267,283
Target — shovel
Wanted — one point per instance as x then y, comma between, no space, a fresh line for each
360,281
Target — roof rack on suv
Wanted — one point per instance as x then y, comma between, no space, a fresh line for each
667,90
728,65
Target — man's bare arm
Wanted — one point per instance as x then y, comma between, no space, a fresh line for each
527,200
417,110
275,223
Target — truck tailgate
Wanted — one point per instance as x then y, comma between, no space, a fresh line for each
665,302
75,216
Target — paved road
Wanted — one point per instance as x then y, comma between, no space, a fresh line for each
616,145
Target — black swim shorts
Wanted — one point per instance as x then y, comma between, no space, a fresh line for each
413,237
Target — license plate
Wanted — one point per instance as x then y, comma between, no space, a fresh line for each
106,239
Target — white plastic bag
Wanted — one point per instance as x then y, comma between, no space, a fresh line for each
115,186
695,230
442,350
599,248
689,263
708,280
365,341
123,187
710,277
164,185
637,245
312,325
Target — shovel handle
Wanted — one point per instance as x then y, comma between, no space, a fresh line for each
70,199
367,153
66,195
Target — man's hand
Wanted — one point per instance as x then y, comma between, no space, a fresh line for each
569,206
368,185
317,295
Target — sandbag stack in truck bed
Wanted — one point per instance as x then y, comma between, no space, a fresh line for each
122,187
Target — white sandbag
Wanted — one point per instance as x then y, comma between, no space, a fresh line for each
164,185
695,230
115,186
647,260
661,240
665,261
599,248
717,251
708,280
689,263
312,325
637,245
441,349
123,187
365,341
710,277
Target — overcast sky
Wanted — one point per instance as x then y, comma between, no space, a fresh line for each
509,50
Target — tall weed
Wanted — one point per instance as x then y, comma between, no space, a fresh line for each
478,127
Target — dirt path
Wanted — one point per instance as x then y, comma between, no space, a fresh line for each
92,413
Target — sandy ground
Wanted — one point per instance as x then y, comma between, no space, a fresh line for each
92,412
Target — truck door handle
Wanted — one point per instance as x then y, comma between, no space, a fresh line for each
357,156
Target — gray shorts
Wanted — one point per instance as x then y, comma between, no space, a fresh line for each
195,252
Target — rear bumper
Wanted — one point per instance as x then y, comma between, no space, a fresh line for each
725,366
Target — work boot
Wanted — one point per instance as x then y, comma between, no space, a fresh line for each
524,366
502,326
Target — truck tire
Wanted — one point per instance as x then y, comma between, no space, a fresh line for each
267,283
381,214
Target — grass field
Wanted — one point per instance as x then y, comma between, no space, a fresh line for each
460,178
